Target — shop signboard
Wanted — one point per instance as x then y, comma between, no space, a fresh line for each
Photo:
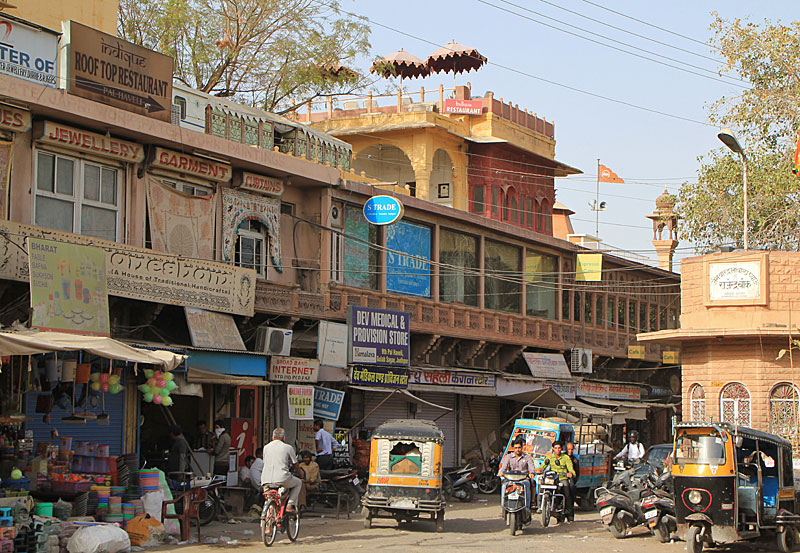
13,119
450,378
142,274
106,69
293,369
68,288
209,329
590,267
88,142
301,402
327,403
596,390
378,336
28,52
740,280
305,436
408,255
547,365
332,344
564,389
242,439
383,210
264,185
624,392
384,377
671,357
636,352
341,455
463,107
191,165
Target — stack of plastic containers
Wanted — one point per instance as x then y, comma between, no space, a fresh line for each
148,480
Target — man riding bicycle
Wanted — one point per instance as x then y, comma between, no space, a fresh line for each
560,462
279,460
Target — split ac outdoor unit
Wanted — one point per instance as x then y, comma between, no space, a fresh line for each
337,216
274,341
580,360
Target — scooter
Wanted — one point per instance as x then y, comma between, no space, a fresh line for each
515,505
550,501
488,481
620,507
460,483
344,481
659,508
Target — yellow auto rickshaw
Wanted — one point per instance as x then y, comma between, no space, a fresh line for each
405,472
732,484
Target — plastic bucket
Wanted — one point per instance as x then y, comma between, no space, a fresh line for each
82,375
44,509
68,370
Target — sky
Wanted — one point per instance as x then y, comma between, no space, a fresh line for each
649,150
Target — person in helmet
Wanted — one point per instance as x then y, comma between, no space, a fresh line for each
633,450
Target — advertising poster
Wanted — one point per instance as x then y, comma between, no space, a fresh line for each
305,436
301,402
327,403
378,336
68,287
29,52
242,439
590,267
408,274
293,369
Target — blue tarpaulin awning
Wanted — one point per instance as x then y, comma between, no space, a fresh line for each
229,363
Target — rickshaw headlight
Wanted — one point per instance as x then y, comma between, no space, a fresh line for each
695,497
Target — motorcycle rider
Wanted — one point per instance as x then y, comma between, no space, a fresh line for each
517,461
633,451
560,462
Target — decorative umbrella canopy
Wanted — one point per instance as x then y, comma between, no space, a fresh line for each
400,64
455,57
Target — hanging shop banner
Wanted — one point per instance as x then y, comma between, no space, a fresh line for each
261,184
191,165
88,142
734,281
68,288
408,255
590,267
301,402
327,403
378,336
293,369
450,378
636,352
29,52
142,274
385,377
332,344
306,436
209,329
547,365
106,69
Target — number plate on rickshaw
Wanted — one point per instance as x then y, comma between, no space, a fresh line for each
606,511
652,513
513,495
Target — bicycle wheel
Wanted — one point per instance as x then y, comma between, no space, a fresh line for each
269,523
291,522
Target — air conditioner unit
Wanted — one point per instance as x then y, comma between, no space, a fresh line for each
175,114
337,216
580,360
274,341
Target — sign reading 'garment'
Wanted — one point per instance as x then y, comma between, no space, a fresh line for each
89,142
184,163
378,336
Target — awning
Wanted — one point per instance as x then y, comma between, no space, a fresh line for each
632,411
403,391
33,342
228,363
198,376
590,410
529,392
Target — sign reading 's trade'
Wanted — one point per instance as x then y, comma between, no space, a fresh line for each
378,336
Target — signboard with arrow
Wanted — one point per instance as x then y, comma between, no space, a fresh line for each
106,69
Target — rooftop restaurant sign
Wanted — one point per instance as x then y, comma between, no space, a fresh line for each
88,142
105,69
28,52
264,185
378,337
192,165
463,107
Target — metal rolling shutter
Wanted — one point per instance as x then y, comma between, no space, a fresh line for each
485,419
446,420
395,407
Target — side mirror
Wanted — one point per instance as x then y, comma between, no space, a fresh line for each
738,441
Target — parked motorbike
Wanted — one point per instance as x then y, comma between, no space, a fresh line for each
344,481
214,504
460,483
488,481
550,502
620,506
515,507
659,507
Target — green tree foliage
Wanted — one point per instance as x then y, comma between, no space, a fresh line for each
765,118
263,52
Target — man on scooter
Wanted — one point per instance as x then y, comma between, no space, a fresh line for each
560,462
633,451
517,461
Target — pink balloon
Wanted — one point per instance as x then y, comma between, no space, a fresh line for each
161,382
157,399
156,374
104,377
104,386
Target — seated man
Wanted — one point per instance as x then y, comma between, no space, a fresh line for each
244,472
562,465
310,475
517,461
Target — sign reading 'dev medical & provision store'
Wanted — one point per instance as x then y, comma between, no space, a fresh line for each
143,274
378,336
103,68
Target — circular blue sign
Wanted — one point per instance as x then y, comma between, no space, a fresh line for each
383,210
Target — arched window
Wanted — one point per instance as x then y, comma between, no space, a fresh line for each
537,215
546,216
784,403
697,400
735,404
510,206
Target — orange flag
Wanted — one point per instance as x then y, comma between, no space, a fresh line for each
607,175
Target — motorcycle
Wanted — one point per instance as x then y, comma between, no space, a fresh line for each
344,481
620,507
550,501
214,504
515,507
460,483
488,481
659,508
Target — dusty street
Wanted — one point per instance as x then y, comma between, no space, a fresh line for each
468,527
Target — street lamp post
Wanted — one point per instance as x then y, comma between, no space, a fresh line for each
729,139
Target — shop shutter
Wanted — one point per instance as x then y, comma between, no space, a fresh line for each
395,408
485,419
447,421
90,431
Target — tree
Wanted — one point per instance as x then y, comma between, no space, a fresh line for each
263,52
765,118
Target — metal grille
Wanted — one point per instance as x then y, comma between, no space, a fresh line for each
697,398
783,410
735,404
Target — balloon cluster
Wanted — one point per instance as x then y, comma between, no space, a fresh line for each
158,386
104,382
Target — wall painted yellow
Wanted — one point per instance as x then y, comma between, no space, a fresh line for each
99,14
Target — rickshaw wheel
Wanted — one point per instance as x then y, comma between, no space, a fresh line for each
787,540
694,540
440,521
618,528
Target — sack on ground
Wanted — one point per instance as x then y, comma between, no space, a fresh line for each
144,530
104,538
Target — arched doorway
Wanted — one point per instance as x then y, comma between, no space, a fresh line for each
386,163
784,405
735,404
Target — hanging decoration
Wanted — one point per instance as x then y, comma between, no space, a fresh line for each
158,387
238,207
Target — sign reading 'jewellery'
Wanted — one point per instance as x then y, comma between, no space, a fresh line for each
385,377
88,142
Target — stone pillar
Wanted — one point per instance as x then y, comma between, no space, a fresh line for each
665,249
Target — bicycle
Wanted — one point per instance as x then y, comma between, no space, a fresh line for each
274,516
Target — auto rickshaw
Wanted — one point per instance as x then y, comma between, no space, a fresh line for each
405,472
732,484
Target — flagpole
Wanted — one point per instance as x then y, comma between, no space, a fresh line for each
597,203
